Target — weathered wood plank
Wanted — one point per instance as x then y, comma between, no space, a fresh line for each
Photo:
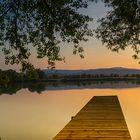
100,119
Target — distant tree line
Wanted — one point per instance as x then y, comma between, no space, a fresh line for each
11,76
92,76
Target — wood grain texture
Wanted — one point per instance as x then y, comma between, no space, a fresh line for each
100,119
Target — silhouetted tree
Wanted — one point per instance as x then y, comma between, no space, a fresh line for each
121,26
43,24
32,75
4,80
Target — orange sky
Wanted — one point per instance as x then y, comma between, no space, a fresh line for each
96,55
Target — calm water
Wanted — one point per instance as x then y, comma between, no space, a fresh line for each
40,111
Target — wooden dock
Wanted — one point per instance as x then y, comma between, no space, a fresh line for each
100,119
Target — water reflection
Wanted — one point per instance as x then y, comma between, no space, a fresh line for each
46,86
29,116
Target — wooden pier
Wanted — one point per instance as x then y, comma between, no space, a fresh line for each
100,119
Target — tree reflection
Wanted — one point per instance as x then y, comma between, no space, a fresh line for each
38,87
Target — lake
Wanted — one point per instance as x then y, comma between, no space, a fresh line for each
38,111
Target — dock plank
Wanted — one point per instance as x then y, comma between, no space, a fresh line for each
100,119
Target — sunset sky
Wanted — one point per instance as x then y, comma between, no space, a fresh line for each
95,53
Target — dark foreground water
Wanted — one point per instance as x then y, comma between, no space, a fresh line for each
38,111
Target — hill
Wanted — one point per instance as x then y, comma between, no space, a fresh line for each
105,71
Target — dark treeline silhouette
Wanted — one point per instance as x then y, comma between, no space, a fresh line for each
93,77
37,75
11,76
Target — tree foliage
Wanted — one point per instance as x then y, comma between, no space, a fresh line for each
121,26
42,24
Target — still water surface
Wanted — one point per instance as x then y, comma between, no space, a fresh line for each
28,115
